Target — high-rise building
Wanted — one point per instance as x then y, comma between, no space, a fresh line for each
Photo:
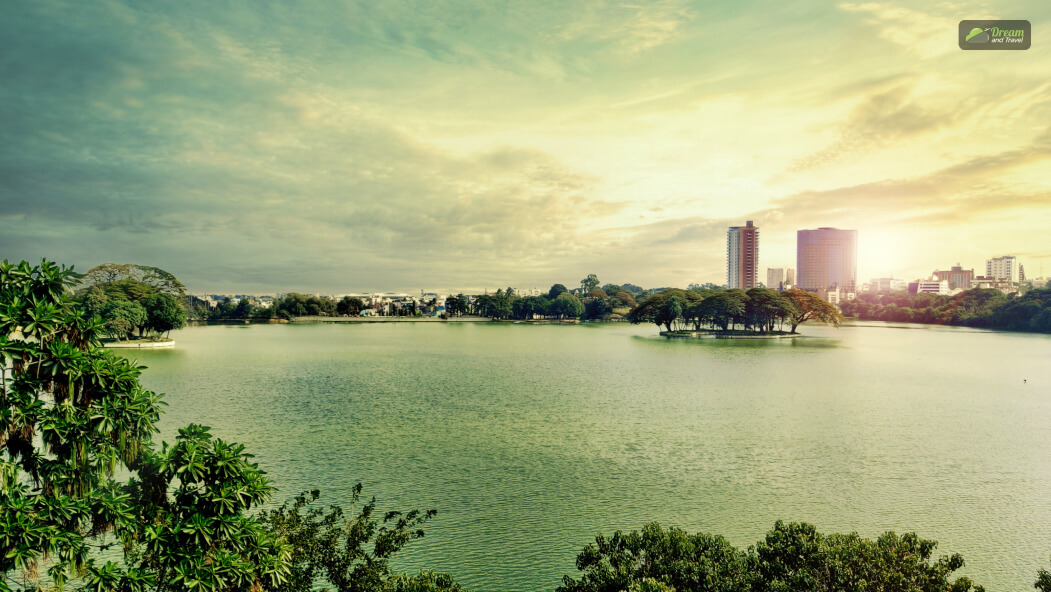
775,278
790,277
957,277
1002,267
742,257
827,258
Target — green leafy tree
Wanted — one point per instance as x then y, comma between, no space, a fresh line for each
791,558
155,278
352,554
654,308
123,317
70,415
456,305
659,559
566,306
555,291
194,533
530,307
94,301
164,313
349,306
795,557
589,283
805,306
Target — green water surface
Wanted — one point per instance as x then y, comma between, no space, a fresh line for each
529,440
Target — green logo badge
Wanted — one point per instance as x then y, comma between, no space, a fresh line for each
1003,34
978,35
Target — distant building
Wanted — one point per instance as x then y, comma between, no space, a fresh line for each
887,285
827,258
957,277
775,278
1021,272
1002,267
742,256
929,287
995,283
790,277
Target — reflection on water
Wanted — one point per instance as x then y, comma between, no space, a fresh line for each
529,440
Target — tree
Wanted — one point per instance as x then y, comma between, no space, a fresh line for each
624,298
123,317
352,554
659,559
805,306
456,305
193,531
71,415
791,558
655,308
349,306
764,308
589,283
566,306
530,307
598,308
154,277
163,313
724,309
555,291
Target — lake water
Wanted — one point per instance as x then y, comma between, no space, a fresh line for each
529,440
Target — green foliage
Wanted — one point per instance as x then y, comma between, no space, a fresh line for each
658,559
791,558
566,306
70,415
193,532
116,293
974,308
758,309
457,305
352,554
808,307
349,306
122,317
301,305
555,291
530,307
164,313
589,283
128,276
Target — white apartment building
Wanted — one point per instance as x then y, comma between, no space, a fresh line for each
1002,267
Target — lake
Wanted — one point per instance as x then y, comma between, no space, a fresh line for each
529,440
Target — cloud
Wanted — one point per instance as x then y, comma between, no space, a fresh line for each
921,34
879,120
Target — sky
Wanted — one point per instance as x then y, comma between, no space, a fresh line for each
334,147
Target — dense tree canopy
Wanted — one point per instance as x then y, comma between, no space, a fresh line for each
758,309
792,558
975,308
132,297
129,274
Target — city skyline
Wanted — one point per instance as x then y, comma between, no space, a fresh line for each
317,146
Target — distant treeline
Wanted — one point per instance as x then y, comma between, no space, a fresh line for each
289,306
559,303
974,308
